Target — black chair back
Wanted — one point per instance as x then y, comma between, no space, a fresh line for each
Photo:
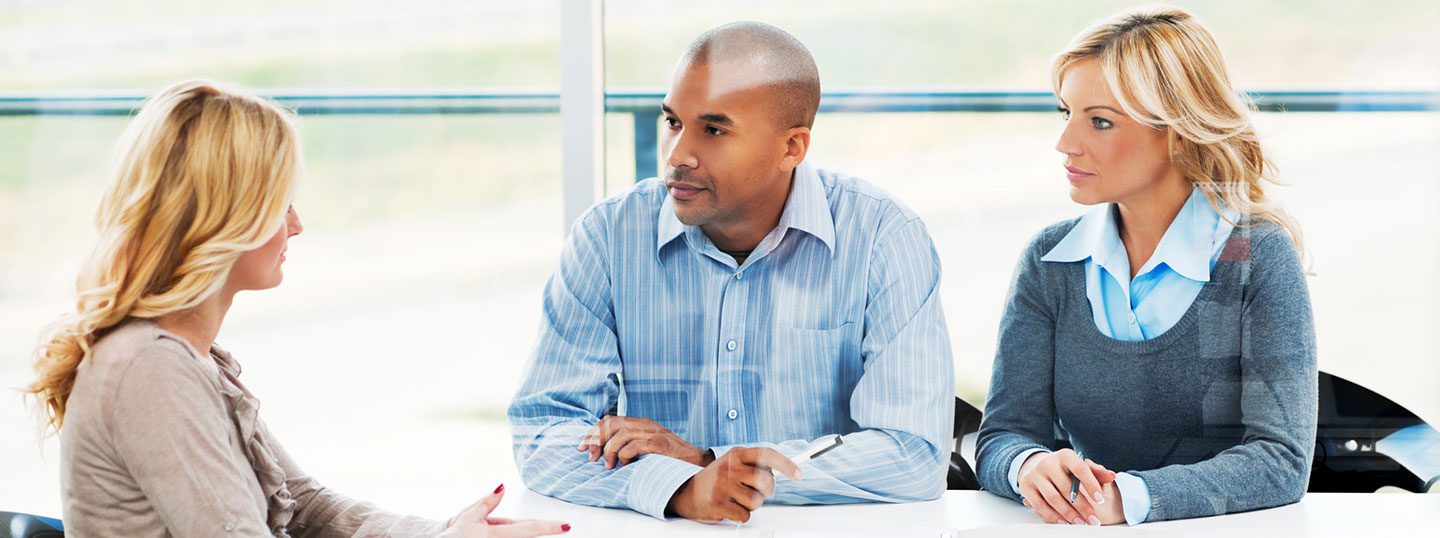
967,421
1351,421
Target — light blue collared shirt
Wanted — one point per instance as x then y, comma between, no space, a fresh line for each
1151,303
831,326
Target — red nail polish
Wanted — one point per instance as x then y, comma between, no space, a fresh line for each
564,527
500,489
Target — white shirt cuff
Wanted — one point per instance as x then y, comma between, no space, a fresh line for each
1135,496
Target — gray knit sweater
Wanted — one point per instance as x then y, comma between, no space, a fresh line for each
1217,414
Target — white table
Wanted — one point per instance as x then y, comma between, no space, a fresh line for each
1349,515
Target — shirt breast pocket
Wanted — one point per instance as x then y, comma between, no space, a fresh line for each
812,373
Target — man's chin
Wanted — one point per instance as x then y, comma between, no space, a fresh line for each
691,218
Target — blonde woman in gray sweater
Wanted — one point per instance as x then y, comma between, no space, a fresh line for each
1168,332
158,435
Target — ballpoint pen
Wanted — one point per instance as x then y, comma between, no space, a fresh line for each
825,445
1075,481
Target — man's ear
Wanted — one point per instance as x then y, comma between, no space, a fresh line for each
797,143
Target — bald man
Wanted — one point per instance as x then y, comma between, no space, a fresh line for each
738,311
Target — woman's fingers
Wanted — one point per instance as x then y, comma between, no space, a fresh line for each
528,528
1087,508
482,508
1032,483
1036,503
1046,488
1051,493
1083,472
1105,476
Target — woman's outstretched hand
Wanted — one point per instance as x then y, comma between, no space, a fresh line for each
475,521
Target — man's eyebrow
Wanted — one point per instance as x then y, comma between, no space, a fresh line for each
719,119
713,117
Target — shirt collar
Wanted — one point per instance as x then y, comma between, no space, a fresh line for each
806,209
1188,242
1186,246
1095,236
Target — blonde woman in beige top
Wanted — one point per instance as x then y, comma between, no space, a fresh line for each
158,435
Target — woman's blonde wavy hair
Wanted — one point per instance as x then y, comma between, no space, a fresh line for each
1167,72
201,175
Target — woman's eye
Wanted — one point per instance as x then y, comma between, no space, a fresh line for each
1064,113
1101,123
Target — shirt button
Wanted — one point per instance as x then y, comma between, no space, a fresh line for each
730,345
1132,318
229,526
738,275
732,414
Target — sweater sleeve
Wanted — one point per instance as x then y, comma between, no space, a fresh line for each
1271,465
1020,410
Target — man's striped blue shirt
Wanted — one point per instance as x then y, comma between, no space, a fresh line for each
832,325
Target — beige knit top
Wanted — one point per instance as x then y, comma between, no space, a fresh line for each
160,440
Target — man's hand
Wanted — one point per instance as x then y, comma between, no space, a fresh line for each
622,439
732,486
